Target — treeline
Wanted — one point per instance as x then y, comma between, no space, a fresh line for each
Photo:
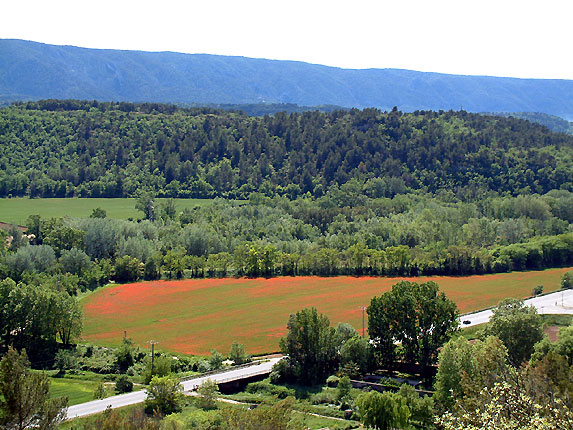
407,235
91,149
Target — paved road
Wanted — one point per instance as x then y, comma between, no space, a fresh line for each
560,302
97,406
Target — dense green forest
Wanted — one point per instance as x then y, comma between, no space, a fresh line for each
92,149
552,122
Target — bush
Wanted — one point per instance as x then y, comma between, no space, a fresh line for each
208,391
99,392
238,354
332,381
65,360
537,290
324,397
161,367
265,387
164,395
567,280
123,385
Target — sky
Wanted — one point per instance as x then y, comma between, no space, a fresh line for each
524,39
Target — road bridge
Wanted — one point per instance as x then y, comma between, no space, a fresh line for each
231,376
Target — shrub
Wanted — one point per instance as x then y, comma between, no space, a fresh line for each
567,280
265,387
537,290
123,385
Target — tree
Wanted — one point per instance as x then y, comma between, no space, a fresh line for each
69,318
128,269
382,411
507,407
146,205
163,395
310,345
238,354
24,396
208,391
123,385
216,360
417,316
124,355
75,261
465,369
358,351
343,389
519,328
275,417
98,213
567,280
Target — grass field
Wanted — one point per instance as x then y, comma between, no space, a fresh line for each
17,210
195,316
77,391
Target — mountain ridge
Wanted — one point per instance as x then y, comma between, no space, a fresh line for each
33,70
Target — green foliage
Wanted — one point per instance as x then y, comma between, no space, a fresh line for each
133,419
519,328
238,354
24,396
567,280
264,387
537,290
98,213
383,411
31,258
128,269
465,369
124,355
343,389
208,392
505,407
33,316
65,360
417,315
163,395
123,385
358,351
99,391
75,261
421,406
310,345
275,417
155,151
146,205
160,366
216,360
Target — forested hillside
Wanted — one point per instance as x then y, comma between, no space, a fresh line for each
91,149
32,71
552,122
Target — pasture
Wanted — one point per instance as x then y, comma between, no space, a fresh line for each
196,315
17,210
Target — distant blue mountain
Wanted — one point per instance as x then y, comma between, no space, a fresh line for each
31,70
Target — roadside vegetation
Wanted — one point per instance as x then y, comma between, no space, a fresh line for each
286,198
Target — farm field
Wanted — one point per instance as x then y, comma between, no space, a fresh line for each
196,315
17,210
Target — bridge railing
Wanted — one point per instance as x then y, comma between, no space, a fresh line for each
219,371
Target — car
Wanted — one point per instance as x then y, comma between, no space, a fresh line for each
466,322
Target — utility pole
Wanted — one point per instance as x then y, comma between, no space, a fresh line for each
363,309
152,342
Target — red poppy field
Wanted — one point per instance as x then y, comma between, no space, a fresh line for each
196,315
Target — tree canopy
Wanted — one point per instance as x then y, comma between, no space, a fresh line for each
417,316
311,346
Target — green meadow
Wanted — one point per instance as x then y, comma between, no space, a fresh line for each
17,210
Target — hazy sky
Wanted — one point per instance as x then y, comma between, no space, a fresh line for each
528,39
